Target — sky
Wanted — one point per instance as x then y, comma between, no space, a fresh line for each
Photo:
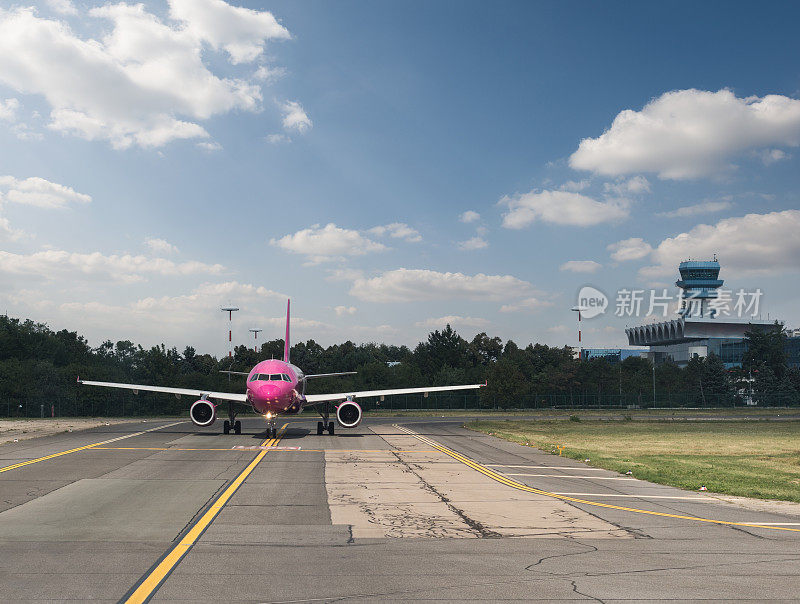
390,167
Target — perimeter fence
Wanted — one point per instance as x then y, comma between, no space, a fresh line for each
84,402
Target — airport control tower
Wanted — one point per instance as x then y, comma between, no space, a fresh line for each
699,282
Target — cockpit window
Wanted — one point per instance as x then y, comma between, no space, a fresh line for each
271,377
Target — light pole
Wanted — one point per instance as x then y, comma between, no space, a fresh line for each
578,309
654,381
230,310
255,334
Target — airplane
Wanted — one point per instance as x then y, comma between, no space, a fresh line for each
277,388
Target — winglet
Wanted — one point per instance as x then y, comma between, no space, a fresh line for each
286,339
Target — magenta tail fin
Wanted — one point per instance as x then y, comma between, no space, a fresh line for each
286,345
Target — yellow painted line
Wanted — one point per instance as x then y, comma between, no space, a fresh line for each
158,449
105,442
523,487
95,448
148,586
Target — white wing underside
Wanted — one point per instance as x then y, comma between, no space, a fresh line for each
313,399
224,396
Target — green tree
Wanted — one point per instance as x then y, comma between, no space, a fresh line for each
766,347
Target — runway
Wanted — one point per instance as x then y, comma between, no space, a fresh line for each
416,509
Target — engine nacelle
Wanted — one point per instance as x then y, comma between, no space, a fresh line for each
203,413
348,414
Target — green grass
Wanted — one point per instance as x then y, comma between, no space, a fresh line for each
745,458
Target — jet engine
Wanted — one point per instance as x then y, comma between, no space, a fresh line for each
348,414
203,413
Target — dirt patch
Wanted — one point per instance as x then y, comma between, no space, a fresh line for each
22,429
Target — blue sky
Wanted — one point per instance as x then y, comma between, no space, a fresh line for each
157,162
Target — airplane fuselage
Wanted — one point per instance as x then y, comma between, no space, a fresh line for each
275,387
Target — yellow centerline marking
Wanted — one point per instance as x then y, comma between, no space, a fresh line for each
277,450
105,442
176,554
523,487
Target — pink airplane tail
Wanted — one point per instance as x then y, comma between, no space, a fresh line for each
286,339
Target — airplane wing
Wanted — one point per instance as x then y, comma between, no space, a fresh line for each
313,399
319,375
225,396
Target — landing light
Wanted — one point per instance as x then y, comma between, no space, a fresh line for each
268,415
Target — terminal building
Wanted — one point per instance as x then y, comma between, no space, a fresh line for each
700,328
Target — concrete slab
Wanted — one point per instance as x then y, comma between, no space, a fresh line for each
109,510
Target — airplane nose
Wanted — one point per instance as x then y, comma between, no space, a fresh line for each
268,391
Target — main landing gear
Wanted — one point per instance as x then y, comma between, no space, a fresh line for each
232,422
325,424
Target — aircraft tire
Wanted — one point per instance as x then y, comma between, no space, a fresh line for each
320,428
226,427
330,428
237,427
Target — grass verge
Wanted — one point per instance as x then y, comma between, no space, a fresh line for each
743,458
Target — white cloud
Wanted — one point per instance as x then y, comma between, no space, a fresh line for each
209,147
473,243
63,7
39,192
295,117
8,110
629,249
581,266
173,315
397,230
53,264
635,185
274,139
324,244
240,31
9,233
575,186
750,244
469,216
268,73
144,82
560,207
409,285
704,207
528,304
439,322
771,156
160,246
344,310
689,133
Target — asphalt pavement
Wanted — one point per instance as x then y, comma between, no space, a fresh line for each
397,509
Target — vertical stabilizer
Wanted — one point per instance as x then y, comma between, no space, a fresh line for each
286,339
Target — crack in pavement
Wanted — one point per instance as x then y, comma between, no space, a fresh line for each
575,589
476,526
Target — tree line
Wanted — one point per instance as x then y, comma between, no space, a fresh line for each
39,368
